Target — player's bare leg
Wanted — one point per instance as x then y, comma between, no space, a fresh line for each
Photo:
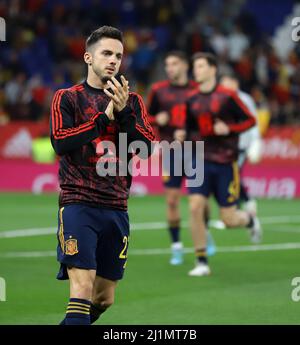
81,287
81,282
103,296
173,217
233,217
197,204
210,243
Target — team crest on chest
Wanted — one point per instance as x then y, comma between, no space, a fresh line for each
71,247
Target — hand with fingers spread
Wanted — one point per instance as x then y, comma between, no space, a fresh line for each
120,92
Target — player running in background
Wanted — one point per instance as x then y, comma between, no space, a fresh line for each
166,103
250,143
93,230
217,116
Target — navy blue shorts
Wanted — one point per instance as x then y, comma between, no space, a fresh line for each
221,180
170,177
92,238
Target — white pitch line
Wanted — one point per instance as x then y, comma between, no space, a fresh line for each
163,251
27,232
288,229
15,255
280,219
141,227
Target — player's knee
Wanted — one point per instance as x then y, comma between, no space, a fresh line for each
172,203
196,207
229,220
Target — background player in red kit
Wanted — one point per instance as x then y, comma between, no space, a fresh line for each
166,103
216,115
93,221
250,142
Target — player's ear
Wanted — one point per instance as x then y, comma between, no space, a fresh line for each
88,58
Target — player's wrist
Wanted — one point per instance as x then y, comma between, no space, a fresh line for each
124,111
125,115
126,119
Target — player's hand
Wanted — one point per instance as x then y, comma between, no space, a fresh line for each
180,135
221,128
162,118
120,92
109,111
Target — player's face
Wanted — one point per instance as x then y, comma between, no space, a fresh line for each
203,71
229,83
175,68
106,57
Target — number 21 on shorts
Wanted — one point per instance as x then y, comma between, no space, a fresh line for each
123,254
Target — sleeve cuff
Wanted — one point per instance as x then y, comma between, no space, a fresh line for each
126,117
125,110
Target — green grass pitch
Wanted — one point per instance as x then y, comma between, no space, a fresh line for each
248,285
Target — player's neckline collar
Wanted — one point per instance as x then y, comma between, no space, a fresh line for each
91,88
180,86
211,91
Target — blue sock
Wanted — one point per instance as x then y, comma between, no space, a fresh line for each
78,312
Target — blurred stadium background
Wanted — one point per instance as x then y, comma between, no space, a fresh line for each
43,52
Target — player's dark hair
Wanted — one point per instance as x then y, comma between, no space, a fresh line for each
179,54
209,57
103,32
231,75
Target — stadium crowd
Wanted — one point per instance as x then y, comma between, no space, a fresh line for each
45,44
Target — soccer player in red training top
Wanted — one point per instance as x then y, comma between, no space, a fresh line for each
166,104
216,115
93,227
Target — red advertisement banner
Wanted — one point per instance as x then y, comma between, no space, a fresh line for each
16,138
262,180
281,145
277,175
